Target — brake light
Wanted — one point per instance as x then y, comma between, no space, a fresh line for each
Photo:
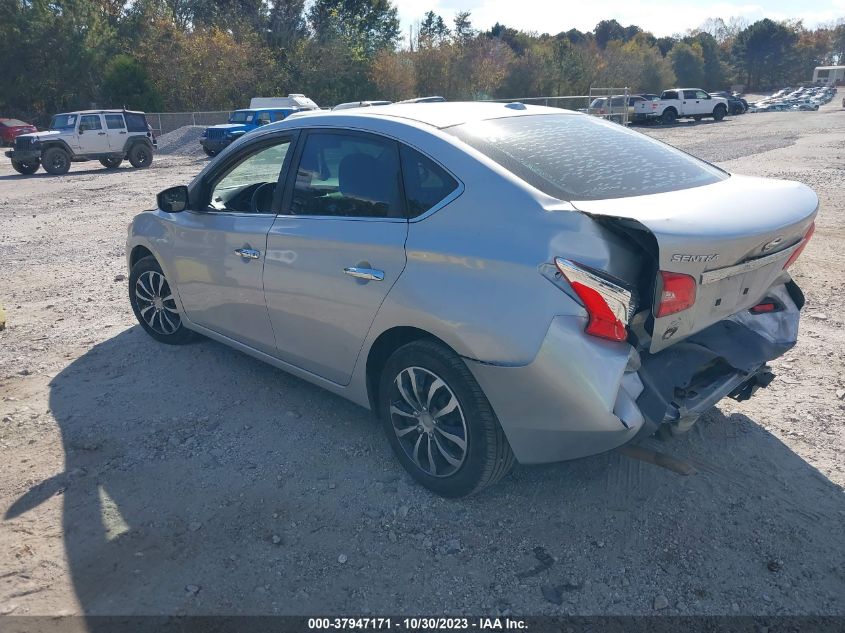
609,305
804,241
678,293
763,308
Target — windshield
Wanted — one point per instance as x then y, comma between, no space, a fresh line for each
579,157
63,122
241,116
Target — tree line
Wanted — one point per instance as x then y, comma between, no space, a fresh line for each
184,55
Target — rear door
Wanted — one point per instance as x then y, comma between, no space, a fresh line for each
116,128
690,103
336,250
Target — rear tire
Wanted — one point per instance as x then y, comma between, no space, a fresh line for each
456,453
140,156
719,112
154,304
26,168
55,161
111,163
669,116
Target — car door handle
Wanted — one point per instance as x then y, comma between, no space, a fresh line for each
248,253
101,133
124,132
370,274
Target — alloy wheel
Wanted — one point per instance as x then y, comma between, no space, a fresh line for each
156,304
428,421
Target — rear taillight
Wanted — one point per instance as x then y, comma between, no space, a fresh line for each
804,241
677,295
765,306
608,303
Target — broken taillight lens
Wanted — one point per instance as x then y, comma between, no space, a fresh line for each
804,241
677,295
608,303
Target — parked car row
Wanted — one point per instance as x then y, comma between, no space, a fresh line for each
802,99
669,106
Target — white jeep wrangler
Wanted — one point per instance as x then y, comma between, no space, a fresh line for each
109,136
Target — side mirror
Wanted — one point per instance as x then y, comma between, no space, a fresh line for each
174,199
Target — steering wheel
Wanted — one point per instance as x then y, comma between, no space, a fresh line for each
260,192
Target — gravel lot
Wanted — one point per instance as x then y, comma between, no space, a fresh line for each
142,479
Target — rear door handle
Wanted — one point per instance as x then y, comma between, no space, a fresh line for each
248,253
370,274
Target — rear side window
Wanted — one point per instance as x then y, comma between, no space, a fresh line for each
426,183
669,94
114,121
348,175
576,157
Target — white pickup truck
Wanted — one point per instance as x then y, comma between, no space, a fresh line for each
680,103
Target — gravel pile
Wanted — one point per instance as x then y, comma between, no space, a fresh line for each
183,141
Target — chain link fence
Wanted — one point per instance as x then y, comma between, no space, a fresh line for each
164,122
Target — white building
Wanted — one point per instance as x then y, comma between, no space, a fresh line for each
831,75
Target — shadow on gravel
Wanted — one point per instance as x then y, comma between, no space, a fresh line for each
199,480
70,174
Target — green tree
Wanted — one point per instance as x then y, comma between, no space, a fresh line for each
688,64
369,25
762,50
126,83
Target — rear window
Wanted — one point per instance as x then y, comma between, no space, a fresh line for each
574,157
13,123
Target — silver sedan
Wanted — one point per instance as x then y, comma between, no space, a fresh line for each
496,282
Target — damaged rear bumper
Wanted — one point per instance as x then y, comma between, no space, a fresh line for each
582,395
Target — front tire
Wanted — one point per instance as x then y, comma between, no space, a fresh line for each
719,112
154,304
27,168
140,156
439,422
55,160
111,163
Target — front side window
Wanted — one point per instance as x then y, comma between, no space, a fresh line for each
241,116
700,94
63,122
250,185
426,183
348,175
90,122
114,121
575,157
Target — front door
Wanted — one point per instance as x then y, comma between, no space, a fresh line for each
336,250
220,249
91,135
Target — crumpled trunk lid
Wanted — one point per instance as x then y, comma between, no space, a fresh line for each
733,237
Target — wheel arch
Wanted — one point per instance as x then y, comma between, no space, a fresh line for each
138,253
57,143
383,347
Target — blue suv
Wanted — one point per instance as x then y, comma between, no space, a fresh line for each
217,137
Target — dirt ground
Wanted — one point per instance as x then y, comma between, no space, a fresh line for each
138,478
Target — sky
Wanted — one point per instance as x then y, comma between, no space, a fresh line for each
661,17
